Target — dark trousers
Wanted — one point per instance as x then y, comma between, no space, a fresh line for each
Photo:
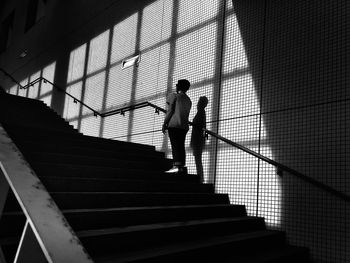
177,140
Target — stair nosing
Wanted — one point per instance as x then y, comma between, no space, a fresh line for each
131,208
162,225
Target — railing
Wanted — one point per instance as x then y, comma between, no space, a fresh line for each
122,110
278,165
47,236
307,212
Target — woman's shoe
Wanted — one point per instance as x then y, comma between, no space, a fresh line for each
173,170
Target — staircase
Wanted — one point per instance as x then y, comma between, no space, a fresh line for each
121,204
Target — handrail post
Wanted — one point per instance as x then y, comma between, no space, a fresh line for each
50,227
29,249
4,188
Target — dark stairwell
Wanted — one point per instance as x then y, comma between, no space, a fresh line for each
121,204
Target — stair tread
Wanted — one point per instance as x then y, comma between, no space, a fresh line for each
159,221
112,172
86,151
185,246
165,225
111,180
74,211
89,157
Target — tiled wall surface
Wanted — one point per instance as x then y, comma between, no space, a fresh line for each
275,75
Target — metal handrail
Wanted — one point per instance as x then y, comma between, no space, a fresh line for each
76,100
158,109
241,147
46,233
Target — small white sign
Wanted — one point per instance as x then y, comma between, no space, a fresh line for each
131,61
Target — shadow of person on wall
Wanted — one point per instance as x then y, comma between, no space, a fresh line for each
198,135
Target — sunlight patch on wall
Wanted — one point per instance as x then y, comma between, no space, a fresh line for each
76,63
23,92
119,87
195,55
71,109
13,90
116,127
94,90
270,190
237,176
33,91
152,18
46,88
237,172
122,47
148,74
238,97
97,58
235,55
191,16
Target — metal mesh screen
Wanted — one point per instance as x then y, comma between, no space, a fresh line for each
275,76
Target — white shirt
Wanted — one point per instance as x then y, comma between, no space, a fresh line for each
182,106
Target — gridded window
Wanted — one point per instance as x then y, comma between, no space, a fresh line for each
93,96
153,24
124,39
147,86
116,127
195,13
76,63
97,57
195,54
119,87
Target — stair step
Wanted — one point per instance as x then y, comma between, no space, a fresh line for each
12,223
30,124
77,184
29,147
122,205
78,140
142,236
277,254
94,171
43,136
199,250
153,164
87,200
20,129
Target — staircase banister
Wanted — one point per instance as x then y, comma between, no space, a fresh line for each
283,167
52,232
96,113
124,109
39,79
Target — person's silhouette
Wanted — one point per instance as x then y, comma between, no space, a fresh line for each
176,122
198,135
